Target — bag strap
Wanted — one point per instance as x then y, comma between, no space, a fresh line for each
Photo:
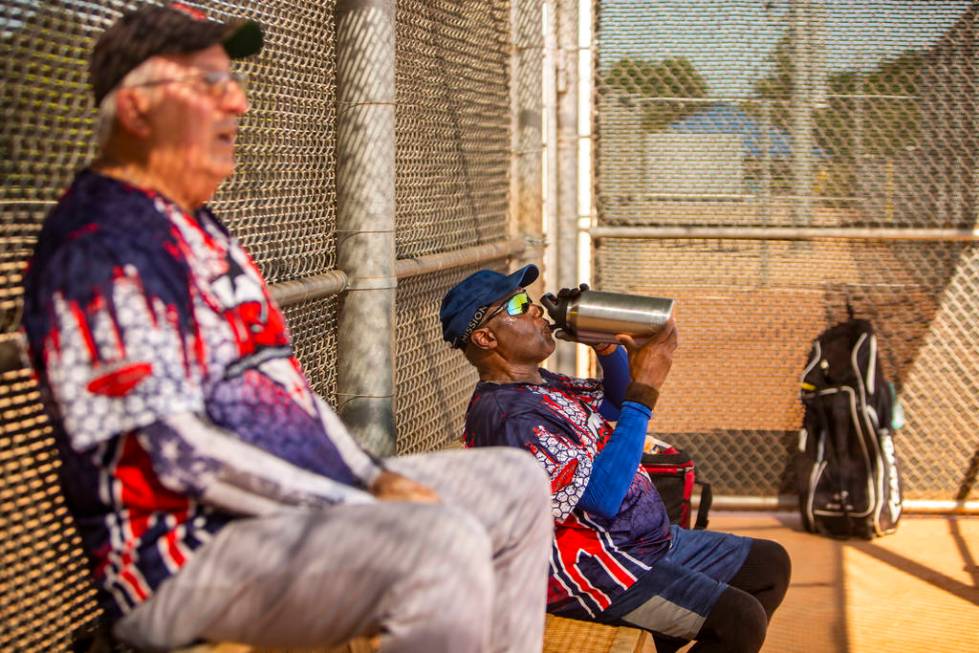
665,458
706,499
841,453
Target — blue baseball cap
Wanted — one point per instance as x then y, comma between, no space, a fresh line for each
464,306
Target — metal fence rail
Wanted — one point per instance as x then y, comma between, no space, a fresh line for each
766,162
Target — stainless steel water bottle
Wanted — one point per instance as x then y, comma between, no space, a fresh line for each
592,317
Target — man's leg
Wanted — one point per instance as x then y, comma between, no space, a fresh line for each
509,494
736,624
686,596
765,574
418,574
759,585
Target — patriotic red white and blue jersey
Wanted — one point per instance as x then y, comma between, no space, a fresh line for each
136,310
594,559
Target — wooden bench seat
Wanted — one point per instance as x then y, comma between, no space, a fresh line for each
560,636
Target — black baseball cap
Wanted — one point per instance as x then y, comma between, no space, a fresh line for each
154,30
465,304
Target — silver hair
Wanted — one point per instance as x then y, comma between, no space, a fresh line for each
105,120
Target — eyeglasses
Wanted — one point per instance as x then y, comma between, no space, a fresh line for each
215,82
515,305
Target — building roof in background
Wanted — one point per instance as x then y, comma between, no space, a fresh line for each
727,118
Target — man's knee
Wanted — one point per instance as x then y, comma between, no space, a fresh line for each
452,580
781,562
775,558
737,622
457,534
766,573
456,544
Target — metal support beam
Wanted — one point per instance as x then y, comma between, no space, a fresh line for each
566,193
790,503
413,267
801,110
323,285
786,233
549,82
365,55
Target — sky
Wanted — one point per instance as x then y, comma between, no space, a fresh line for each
729,40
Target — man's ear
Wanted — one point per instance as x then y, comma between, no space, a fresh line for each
132,109
483,339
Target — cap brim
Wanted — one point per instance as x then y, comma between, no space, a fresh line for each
243,39
520,279
526,275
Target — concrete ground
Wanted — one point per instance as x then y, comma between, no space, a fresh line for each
915,590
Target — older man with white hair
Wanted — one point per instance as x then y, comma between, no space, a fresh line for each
217,496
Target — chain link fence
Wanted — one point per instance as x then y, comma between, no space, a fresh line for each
453,124
819,117
433,381
452,189
45,103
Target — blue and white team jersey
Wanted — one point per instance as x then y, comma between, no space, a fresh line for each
594,559
136,310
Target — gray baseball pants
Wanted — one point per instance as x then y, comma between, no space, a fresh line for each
466,575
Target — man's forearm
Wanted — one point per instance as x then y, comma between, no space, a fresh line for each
615,381
615,466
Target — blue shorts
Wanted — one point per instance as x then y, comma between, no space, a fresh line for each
676,595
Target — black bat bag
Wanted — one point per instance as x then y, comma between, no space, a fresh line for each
847,470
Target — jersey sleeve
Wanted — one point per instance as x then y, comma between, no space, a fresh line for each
588,391
114,335
567,462
193,456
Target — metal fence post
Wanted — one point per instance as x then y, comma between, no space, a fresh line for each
566,193
801,107
365,32
549,83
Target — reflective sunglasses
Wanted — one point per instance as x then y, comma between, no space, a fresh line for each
517,305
